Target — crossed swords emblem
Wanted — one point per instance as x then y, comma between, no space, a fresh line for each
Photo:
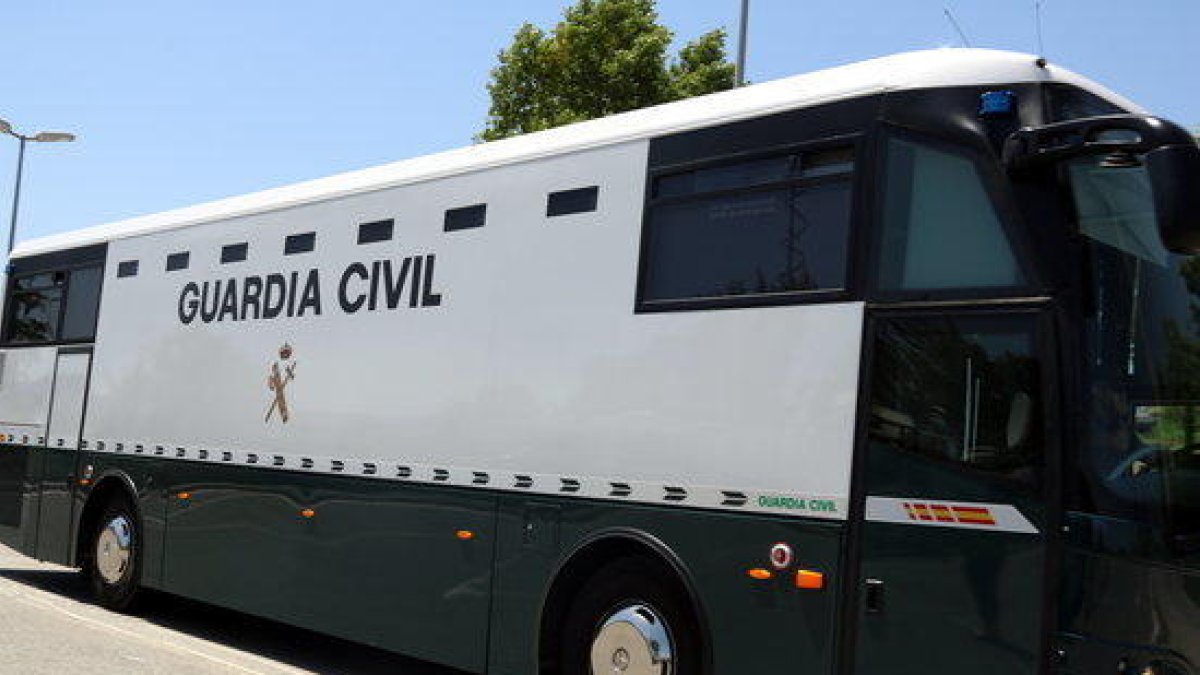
278,380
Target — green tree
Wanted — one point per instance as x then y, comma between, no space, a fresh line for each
604,57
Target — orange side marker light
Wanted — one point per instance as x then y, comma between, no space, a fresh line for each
465,535
759,573
184,496
810,580
85,482
308,513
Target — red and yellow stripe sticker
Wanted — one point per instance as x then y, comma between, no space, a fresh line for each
998,517
949,513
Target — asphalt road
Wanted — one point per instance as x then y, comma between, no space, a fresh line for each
48,627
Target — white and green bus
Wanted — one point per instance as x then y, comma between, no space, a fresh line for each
891,368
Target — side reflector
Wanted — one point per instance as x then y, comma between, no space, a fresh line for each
308,513
465,535
759,573
184,495
85,482
809,580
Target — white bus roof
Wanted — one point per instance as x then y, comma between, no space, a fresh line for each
911,70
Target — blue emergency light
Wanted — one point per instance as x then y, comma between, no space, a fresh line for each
997,103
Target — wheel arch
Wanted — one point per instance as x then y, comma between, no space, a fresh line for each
587,558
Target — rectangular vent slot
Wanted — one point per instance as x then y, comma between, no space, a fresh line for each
479,478
369,469
380,230
306,463
403,472
523,481
127,268
466,218
300,243
232,253
337,465
566,202
441,475
178,261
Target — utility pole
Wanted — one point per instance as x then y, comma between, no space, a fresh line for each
739,69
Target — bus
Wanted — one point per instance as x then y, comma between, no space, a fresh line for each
886,369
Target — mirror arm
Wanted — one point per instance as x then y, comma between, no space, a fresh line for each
1031,147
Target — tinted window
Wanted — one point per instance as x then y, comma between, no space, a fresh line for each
55,306
83,301
1069,103
127,268
36,306
764,226
959,391
940,227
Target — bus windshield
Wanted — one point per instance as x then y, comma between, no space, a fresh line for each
1141,435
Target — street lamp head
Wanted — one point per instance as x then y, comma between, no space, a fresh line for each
5,127
54,137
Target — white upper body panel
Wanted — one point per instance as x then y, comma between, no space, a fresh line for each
533,363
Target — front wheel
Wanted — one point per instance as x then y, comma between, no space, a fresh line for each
115,564
630,619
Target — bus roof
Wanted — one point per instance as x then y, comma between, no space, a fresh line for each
910,70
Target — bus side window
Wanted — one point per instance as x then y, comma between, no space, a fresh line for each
35,307
772,226
54,306
940,229
960,391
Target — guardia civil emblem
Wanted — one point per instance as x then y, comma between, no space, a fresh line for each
279,376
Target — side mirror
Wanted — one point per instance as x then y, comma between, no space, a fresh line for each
1170,155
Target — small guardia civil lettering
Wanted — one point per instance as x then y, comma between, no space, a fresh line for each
386,284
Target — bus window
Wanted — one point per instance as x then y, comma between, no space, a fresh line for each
54,306
773,225
36,301
961,391
940,227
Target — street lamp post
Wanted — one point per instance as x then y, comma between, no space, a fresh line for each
739,66
22,139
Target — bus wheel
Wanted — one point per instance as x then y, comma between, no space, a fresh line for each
115,564
630,619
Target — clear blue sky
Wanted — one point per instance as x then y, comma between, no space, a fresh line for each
178,103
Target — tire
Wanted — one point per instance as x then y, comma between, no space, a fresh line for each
114,562
631,617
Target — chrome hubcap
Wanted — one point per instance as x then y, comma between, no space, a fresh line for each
633,640
114,548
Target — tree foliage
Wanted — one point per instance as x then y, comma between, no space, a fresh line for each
604,57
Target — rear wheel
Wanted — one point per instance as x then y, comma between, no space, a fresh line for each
630,619
115,561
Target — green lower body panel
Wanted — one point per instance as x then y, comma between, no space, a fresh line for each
460,576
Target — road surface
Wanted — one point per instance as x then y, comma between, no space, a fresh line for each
49,627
